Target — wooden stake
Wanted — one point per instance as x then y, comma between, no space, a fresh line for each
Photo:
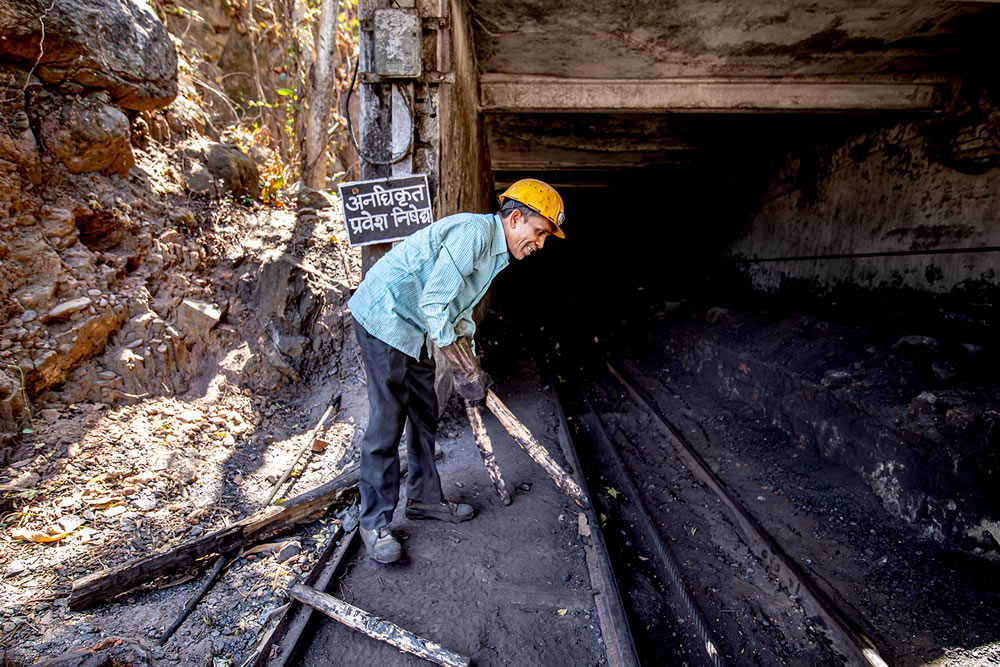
538,454
196,598
486,451
378,628
334,405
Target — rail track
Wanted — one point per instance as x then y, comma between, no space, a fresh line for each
704,582
693,577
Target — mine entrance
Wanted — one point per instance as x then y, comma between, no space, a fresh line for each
800,387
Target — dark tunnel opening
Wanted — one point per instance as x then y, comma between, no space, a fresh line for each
866,397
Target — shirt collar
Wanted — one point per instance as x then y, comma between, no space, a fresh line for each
499,238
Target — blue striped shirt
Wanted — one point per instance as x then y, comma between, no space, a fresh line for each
429,283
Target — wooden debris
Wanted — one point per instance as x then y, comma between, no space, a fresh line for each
196,598
378,628
279,648
330,409
100,586
535,450
486,451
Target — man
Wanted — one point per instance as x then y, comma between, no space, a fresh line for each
421,292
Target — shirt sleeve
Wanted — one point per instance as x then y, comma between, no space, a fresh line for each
466,326
456,259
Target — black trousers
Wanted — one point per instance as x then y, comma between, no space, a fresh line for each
400,388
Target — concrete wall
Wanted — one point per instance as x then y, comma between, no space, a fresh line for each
885,207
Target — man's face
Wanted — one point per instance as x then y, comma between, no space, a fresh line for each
525,235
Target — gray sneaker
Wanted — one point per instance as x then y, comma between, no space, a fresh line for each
443,511
382,546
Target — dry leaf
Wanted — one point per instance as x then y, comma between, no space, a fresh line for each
100,502
141,478
36,535
319,445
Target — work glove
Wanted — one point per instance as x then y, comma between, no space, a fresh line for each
471,381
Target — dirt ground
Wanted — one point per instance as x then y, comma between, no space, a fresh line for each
509,587
99,484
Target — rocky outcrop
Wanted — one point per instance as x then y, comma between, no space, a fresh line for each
89,134
76,74
115,45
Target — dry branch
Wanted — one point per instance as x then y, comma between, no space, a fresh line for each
535,450
378,628
486,451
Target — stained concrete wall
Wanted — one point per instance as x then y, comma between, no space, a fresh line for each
881,210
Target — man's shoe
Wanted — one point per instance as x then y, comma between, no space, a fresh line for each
382,546
443,511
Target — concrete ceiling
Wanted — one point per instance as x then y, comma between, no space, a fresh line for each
544,63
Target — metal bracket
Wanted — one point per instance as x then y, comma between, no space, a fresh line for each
435,23
425,77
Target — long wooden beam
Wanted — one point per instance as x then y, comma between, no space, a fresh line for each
105,584
521,93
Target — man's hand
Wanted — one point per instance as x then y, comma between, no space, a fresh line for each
471,381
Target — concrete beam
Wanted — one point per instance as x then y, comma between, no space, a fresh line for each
507,93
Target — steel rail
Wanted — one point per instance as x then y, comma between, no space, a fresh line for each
760,542
618,641
666,557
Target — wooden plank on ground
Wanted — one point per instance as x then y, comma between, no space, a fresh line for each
104,585
378,628
281,646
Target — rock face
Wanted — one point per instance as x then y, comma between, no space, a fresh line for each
89,135
77,73
115,45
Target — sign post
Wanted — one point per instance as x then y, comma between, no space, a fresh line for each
383,210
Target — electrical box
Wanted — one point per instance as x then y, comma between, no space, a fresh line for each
397,43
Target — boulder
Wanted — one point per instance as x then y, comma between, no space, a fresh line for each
197,317
88,134
218,169
18,146
115,45
234,169
59,226
306,197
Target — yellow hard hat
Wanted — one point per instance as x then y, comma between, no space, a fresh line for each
541,198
